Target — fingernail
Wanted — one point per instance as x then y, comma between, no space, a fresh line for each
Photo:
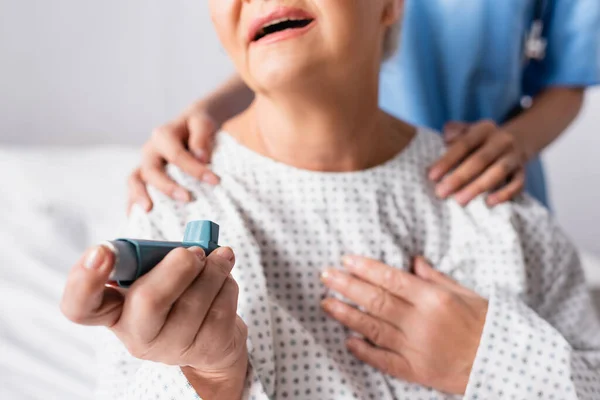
420,262
95,258
422,267
144,204
352,343
199,252
181,194
225,252
442,190
329,276
451,134
462,199
491,201
200,156
351,262
329,305
434,174
210,178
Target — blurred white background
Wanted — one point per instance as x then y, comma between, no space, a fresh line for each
82,84
81,72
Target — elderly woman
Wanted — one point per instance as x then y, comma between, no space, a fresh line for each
317,183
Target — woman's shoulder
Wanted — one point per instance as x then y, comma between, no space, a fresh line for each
431,140
524,225
408,171
535,224
168,218
426,147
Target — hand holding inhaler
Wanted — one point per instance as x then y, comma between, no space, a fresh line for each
134,257
181,311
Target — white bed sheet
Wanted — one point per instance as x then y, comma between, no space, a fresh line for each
53,204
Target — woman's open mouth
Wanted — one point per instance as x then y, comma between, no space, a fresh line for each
282,24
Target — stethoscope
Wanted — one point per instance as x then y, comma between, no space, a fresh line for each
535,42
534,47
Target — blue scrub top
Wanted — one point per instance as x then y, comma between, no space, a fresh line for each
462,60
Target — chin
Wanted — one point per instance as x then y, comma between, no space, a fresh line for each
286,73
273,76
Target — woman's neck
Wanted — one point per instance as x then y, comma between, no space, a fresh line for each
326,131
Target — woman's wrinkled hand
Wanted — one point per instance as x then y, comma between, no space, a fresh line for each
423,327
481,158
183,312
185,142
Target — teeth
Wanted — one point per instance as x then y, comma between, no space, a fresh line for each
278,21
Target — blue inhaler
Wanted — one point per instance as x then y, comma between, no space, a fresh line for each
134,258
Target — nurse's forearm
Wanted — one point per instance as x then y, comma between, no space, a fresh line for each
552,112
228,100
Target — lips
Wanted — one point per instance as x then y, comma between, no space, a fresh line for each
280,20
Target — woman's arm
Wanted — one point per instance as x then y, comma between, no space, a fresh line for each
550,115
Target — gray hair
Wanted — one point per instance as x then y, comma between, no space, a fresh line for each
391,40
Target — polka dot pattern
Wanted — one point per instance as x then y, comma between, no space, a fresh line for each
286,225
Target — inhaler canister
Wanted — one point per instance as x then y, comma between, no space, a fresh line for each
134,258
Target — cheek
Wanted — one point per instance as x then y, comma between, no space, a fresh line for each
350,24
225,15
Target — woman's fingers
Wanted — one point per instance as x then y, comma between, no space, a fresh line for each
460,149
138,194
222,315
86,300
398,282
438,334
221,340
425,271
374,299
509,191
390,363
173,144
150,299
198,298
376,330
154,173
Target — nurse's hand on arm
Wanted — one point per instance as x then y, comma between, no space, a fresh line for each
170,315
404,315
187,142
484,157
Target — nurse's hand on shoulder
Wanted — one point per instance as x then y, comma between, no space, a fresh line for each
423,327
481,158
183,312
185,142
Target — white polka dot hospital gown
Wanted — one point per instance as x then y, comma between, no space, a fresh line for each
541,338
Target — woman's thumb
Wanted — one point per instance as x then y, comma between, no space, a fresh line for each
86,300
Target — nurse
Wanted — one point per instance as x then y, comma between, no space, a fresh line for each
464,68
